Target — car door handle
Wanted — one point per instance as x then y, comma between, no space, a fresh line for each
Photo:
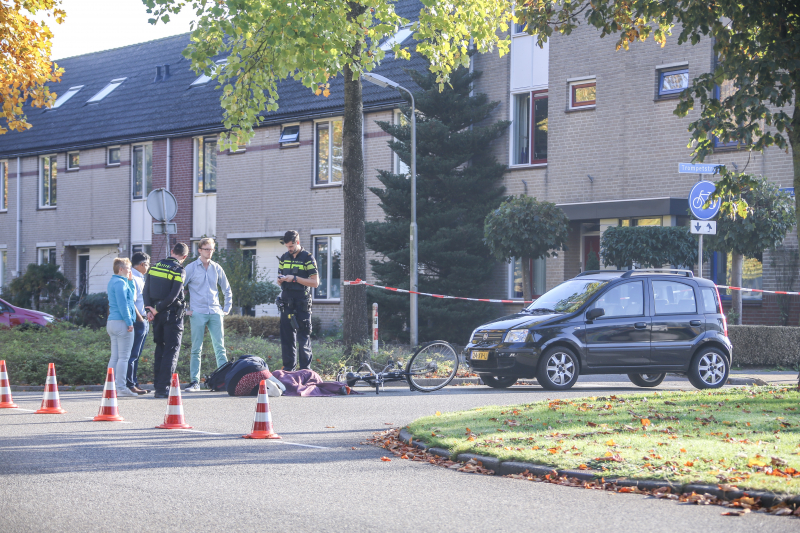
640,325
695,322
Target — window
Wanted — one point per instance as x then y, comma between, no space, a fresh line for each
203,79
752,275
48,174
290,135
519,27
3,186
3,269
397,38
328,253
399,166
142,166
47,256
640,221
113,155
672,82
328,143
623,300
710,302
582,94
206,164
146,248
673,297
530,128
538,278
61,100
105,91
73,160
721,93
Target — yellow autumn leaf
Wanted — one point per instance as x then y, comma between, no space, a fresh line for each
755,462
610,442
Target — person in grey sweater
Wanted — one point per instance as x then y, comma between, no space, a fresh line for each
202,280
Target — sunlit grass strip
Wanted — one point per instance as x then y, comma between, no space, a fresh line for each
745,437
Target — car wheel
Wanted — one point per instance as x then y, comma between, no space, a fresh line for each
558,369
497,382
647,380
709,369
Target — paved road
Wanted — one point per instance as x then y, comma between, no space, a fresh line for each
68,473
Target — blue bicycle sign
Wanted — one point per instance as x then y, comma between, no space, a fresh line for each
701,191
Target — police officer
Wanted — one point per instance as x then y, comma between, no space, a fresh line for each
165,304
297,275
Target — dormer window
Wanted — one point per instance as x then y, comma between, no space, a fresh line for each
105,91
290,135
397,38
61,100
203,79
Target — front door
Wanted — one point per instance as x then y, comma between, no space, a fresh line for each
676,323
621,337
83,274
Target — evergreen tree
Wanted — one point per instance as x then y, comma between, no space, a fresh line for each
458,184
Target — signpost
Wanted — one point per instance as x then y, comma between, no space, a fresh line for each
162,206
698,198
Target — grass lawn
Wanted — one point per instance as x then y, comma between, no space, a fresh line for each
745,437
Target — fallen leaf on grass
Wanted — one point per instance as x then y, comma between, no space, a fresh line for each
755,462
438,413
645,422
385,459
610,442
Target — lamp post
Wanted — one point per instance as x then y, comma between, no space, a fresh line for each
382,81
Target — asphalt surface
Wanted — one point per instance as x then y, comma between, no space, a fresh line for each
68,473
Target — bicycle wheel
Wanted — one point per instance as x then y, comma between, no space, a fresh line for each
432,366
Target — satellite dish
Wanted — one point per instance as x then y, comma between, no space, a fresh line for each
162,205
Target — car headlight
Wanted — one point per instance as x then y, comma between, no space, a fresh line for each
49,318
517,335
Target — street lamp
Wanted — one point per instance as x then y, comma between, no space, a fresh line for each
381,81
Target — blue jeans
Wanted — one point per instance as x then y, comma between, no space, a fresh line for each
121,341
199,321
140,330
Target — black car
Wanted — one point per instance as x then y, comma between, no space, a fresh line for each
643,323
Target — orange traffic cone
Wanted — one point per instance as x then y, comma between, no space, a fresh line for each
6,401
262,425
51,404
108,404
174,417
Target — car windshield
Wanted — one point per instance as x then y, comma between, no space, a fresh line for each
567,297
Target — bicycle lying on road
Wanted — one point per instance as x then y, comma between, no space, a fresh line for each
433,366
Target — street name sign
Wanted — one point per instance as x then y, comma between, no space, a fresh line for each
161,228
699,196
704,227
700,168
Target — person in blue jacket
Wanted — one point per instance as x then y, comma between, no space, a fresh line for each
121,316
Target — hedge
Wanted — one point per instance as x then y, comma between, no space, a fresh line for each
262,326
765,345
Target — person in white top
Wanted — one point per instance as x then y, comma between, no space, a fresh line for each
140,262
202,280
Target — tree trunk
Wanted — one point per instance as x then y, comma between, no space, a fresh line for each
355,324
736,280
527,294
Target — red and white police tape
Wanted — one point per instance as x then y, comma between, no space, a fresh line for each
494,300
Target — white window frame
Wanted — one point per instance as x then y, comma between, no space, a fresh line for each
108,155
199,147
291,143
572,82
50,158
105,91
329,264
330,122
510,287
148,146
64,98
79,160
203,79
398,167
39,252
3,186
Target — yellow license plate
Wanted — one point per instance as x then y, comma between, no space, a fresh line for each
480,355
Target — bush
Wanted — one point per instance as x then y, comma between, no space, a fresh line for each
765,345
93,310
648,246
263,326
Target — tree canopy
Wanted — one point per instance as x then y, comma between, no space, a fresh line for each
648,247
25,55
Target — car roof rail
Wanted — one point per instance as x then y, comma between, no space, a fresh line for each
676,271
588,272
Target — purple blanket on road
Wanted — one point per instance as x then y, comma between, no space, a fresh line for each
307,383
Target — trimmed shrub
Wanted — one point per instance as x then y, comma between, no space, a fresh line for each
263,326
765,345
93,310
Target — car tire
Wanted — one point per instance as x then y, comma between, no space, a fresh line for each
558,369
709,369
647,380
497,382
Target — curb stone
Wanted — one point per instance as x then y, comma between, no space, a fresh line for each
405,436
500,468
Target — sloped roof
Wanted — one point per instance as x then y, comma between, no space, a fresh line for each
141,109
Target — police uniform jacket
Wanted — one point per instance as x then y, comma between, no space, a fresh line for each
303,266
163,285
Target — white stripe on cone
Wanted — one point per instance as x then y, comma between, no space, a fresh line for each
173,410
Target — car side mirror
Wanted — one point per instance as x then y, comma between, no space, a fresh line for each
595,313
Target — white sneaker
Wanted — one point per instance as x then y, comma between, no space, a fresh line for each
126,392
